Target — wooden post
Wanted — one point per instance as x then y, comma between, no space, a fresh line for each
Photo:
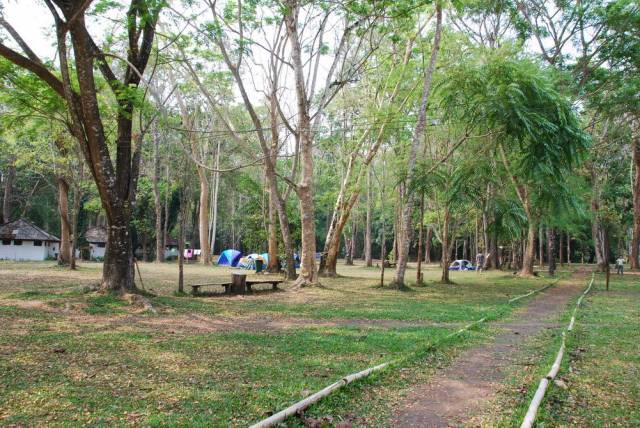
139,274
238,283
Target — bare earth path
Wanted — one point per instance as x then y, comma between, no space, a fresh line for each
459,392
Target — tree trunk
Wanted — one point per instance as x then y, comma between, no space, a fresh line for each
420,240
368,260
568,249
492,261
273,265
396,227
339,218
203,217
64,257
348,251
418,136
561,249
383,250
9,178
551,250
274,193
513,264
446,247
145,247
465,256
540,246
182,220
596,227
213,229
308,225
529,250
496,248
476,247
308,274
428,244
165,226
351,246
635,235
117,271
156,198
77,196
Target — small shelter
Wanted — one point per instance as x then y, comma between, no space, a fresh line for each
229,258
23,240
96,236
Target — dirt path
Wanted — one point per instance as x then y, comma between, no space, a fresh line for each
462,389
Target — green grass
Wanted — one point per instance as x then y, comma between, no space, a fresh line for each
601,367
104,304
74,358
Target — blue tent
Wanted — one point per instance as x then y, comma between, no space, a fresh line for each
229,258
265,256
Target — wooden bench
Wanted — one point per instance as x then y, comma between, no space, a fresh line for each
195,288
274,283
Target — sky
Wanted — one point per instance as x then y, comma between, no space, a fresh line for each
33,21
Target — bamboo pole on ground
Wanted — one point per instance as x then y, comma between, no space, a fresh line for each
532,411
515,299
301,405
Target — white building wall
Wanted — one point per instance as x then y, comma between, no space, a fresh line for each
26,251
96,251
53,249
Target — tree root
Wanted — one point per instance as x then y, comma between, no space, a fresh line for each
302,282
139,301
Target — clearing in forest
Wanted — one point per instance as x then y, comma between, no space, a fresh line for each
71,357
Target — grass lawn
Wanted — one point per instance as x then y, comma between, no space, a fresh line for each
601,369
68,357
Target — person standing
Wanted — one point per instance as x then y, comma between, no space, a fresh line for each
620,266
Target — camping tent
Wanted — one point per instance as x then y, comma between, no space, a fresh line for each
265,256
229,258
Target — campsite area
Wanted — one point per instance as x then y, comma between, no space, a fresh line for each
70,357
320,214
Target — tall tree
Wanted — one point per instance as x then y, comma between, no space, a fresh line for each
541,138
116,183
405,223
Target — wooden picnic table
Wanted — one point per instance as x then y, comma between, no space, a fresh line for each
238,284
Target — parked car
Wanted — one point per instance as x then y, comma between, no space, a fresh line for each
461,265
